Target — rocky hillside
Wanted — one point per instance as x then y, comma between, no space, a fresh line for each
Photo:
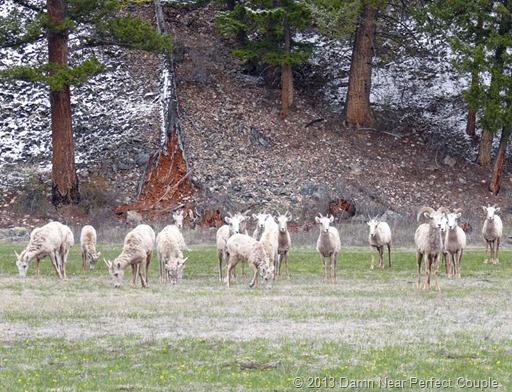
240,154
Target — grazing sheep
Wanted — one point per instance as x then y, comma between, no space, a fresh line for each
270,240
223,234
88,245
244,247
454,243
380,235
170,256
328,244
53,240
492,231
284,242
137,249
260,225
429,243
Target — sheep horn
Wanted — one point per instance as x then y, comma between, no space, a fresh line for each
457,210
444,210
430,210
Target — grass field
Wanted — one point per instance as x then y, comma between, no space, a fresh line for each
371,330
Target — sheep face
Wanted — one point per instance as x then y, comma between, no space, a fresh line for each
282,222
116,272
178,219
325,222
234,224
267,273
373,224
174,268
436,219
260,220
451,219
93,259
22,263
490,211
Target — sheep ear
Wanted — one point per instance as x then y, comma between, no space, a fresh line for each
227,219
426,215
317,219
17,255
254,217
497,209
459,214
108,263
484,208
331,219
99,254
184,261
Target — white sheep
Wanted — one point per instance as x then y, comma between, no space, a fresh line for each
429,243
379,236
454,243
170,255
53,240
178,219
88,240
223,234
328,244
284,242
260,225
270,240
137,250
244,247
492,231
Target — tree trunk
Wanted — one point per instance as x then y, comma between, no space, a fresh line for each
484,153
497,172
471,123
286,75
64,178
357,111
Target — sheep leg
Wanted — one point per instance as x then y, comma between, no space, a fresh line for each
255,279
278,268
54,257
435,260
322,257
459,258
389,254
134,275
428,269
486,249
220,255
37,267
381,256
496,251
143,274
84,260
233,260
373,256
64,262
148,260
419,259
243,270
286,261
451,266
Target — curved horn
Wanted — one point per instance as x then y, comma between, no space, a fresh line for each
457,210
422,210
443,209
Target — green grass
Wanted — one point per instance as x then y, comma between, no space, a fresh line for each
371,330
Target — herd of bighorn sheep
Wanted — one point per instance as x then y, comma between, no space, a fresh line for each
264,251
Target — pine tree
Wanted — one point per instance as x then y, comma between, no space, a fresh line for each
97,22
265,35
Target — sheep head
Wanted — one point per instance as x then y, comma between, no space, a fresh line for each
373,223
22,263
260,220
234,223
178,219
174,268
116,272
282,222
437,219
324,221
491,211
93,259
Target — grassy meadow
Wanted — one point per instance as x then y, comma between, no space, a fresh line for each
370,330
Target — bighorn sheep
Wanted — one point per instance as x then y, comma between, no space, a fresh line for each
170,256
269,239
429,243
260,225
328,244
234,223
54,240
379,236
88,245
137,249
454,242
244,247
492,231
178,219
284,242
